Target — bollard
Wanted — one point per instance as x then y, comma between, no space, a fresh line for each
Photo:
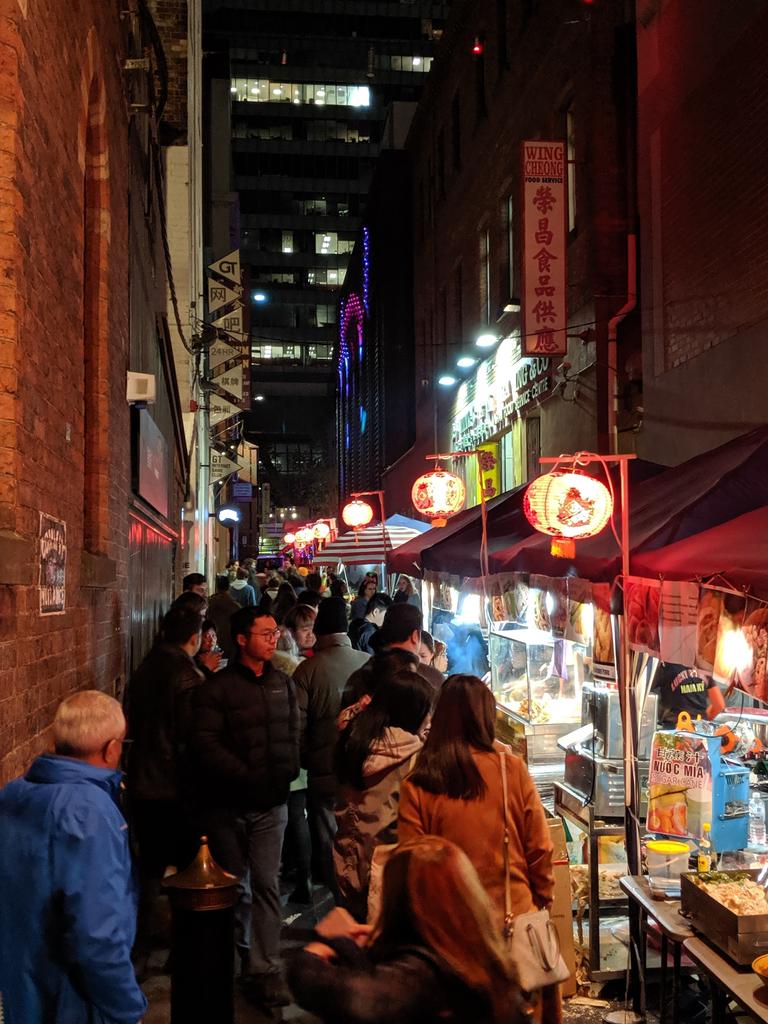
202,897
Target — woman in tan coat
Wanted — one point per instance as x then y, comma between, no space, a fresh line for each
455,791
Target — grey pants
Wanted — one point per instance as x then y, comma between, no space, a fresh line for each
320,811
249,845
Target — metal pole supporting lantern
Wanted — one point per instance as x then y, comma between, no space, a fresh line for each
380,496
629,719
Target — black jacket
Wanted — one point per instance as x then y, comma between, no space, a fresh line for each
320,682
246,739
410,985
361,632
159,707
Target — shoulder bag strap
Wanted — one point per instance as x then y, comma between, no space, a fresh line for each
508,915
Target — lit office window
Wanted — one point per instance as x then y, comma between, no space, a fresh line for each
287,241
326,242
327,277
395,62
249,90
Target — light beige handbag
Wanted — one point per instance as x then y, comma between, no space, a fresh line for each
532,938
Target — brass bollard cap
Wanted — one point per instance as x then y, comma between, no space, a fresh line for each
204,885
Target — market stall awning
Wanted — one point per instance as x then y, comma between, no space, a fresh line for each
408,558
737,551
683,501
372,545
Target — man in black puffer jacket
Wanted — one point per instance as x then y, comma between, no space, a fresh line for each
247,735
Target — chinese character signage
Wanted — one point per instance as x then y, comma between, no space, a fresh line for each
53,565
545,227
488,469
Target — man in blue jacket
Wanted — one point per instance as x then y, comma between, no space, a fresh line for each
67,901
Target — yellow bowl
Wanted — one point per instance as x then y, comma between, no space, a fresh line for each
760,966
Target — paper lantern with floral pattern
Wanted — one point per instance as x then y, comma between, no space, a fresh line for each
567,506
438,495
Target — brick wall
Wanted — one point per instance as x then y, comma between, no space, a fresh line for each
64,343
562,53
171,20
702,112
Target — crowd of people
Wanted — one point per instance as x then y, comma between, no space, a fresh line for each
315,739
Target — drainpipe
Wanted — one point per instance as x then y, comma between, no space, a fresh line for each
612,355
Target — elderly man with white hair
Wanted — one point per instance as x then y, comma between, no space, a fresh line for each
67,900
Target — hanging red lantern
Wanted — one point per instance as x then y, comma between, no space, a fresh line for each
568,506
321,531
357,514
438,495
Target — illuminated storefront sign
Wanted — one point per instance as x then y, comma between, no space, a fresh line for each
501,389
545,227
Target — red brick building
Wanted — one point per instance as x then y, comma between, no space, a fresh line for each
86,561
507,72
702,110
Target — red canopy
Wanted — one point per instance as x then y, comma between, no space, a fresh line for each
408,557
736,550
702,493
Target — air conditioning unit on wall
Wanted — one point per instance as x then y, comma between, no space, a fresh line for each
140,389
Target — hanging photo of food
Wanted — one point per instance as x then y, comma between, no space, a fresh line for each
558,606
710,605
602,634
642,599
515,592
539,613
496,599
579,626
730,623
752,671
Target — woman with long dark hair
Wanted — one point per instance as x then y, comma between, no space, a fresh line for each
365,592
455,791
374,754
283,602
434,956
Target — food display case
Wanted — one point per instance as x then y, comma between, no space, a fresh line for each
536,680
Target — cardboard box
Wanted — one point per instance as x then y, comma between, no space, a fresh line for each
561,911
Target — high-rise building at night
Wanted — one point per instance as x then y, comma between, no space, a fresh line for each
298,98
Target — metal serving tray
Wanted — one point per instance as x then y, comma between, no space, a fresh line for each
741,937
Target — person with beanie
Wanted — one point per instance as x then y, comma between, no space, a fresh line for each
320,683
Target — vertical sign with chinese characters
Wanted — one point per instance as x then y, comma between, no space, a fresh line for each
488,468
545,226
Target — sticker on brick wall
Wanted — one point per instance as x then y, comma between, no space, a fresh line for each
53,565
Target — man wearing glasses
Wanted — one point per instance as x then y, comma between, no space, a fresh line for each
246,742
66,892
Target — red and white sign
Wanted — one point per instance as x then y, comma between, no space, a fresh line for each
545,226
